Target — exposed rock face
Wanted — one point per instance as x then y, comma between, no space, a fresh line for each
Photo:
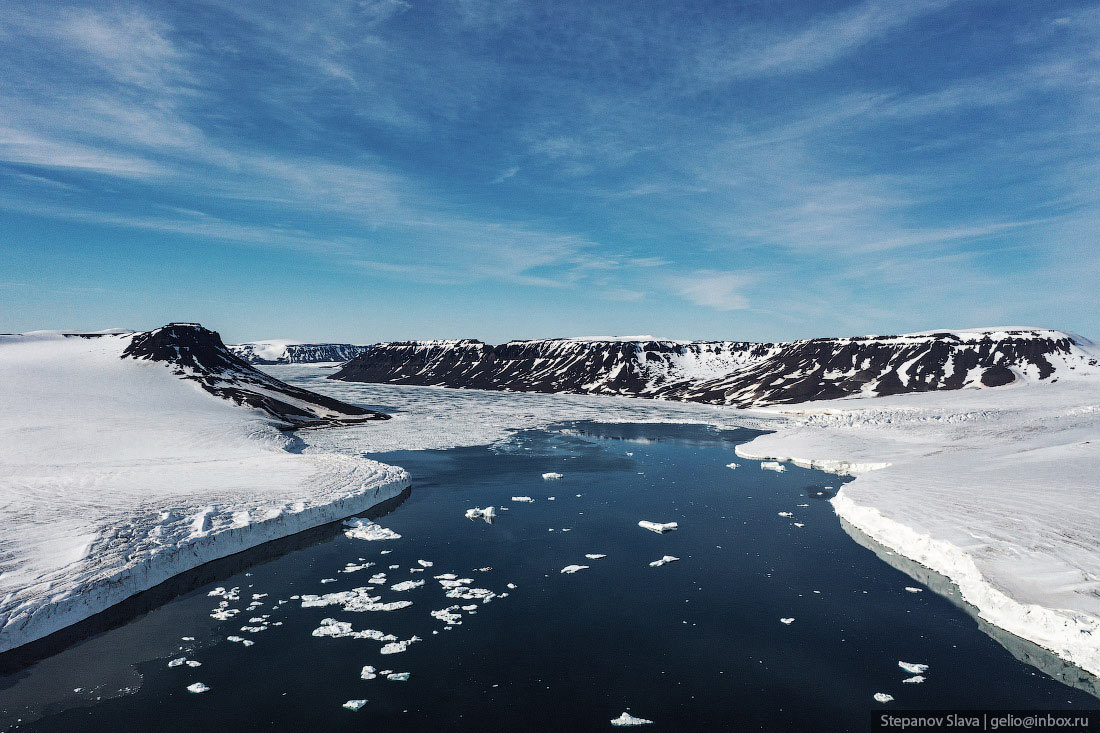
730,372
198,354
276,352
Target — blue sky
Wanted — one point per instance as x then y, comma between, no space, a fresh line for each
383,169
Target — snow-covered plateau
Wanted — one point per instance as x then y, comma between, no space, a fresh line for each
997,489
120,467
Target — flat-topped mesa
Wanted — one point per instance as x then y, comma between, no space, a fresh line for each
732,372
291,352
198,354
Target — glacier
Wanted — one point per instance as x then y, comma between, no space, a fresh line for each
118,473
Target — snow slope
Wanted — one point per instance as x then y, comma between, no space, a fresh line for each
999,490
117,473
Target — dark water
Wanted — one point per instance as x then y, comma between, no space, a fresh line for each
693,645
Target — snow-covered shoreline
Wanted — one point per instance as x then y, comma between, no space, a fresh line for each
116,474
994,489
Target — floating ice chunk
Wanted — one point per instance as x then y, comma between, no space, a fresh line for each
471,594
406,585
551,498
357,600
198,688
788,620
913,667
570,569
385,552
364,529
663,561
472,607
803,505
240,640
485,569
224,614
377,579
773,466
368,673
551,476
193,663
453,582
593,556
177,662
394,567
911,589
626,720
733,465
658,527
785,514
187,638
354,705
399,676
883,697
448,616
328,580
424,563
914,680
488,514
799,524
511,586
396,647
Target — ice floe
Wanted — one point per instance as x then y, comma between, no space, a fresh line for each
914,680
354,705
396,647
523,499
883,697
368,673
357,599
663,561
592,556
788,620
570,569
406,585
785,514
399,676
773,466
488,514
911,589
733,465
913,667
626,720
364,529
551,476
198,688
658,527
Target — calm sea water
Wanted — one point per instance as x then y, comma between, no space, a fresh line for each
693,645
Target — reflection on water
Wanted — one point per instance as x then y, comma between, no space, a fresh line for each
1024,650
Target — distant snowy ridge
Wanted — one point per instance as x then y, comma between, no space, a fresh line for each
740,373
294,352
131,457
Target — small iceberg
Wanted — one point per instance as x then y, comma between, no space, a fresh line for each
626,720
198,688
773,466
551,476
911,589
786,514
488,514
596,556
354,705
523,499
663,561
658,527
788,620
913,667
733,465
570,569
399,676
914,680
883,697
364,529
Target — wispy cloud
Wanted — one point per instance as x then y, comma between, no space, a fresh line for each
721,291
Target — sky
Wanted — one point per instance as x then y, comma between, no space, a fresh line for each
497,169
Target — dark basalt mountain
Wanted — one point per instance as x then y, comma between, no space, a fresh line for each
265,352
736,373
198,354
